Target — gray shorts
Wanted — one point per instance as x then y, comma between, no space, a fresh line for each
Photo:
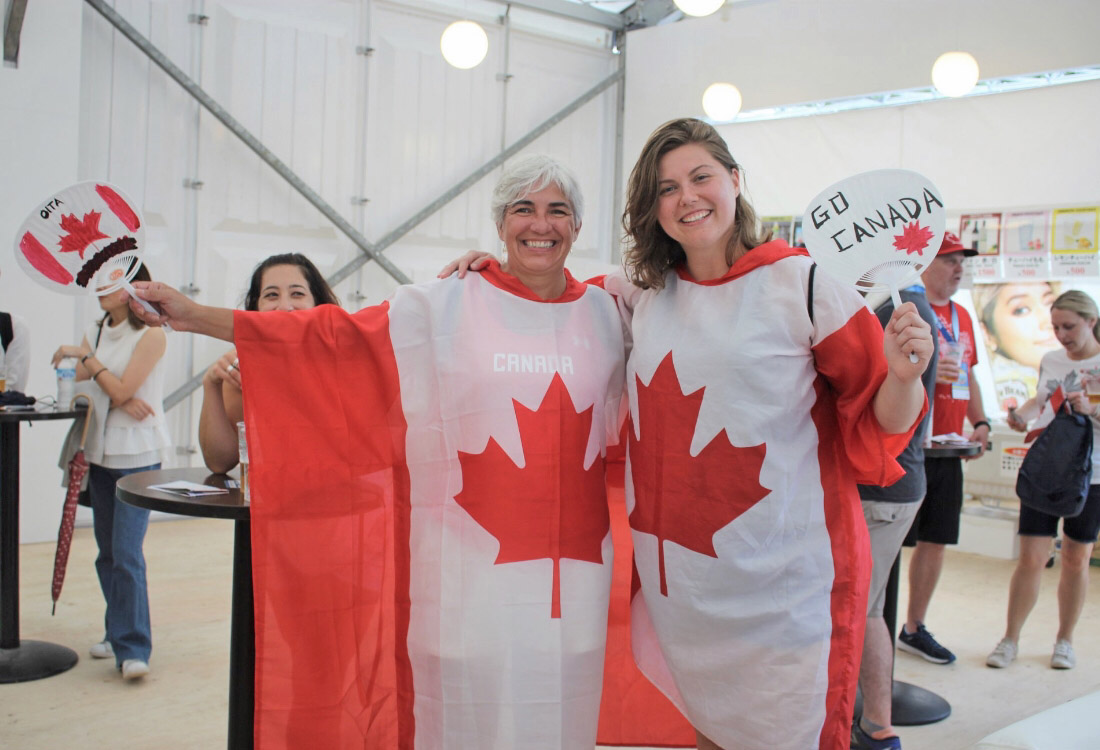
888,523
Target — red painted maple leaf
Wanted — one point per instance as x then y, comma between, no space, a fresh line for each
552,507
80,233
913,239
679,497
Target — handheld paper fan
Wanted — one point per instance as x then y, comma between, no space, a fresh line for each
85,238
877,230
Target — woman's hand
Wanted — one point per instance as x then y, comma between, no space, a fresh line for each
1015,422
76,352
474,260
1079,401
137,408
225,370
907,333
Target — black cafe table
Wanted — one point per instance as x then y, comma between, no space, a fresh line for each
913,705
134,489
21,660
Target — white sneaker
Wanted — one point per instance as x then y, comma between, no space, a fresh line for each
1063,656
134,669
101,650
1003,655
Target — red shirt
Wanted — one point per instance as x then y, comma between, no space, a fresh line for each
948,413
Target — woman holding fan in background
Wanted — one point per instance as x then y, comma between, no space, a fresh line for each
126,363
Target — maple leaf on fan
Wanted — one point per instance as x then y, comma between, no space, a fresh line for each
913,239
81,233
552,507
679,497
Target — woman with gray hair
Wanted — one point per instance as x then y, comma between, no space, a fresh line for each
428,508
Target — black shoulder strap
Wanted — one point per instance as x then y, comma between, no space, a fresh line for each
7,333
99,333
810,293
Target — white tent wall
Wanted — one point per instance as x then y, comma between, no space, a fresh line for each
397,127
1022,149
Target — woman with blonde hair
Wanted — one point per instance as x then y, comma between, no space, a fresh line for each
1077,326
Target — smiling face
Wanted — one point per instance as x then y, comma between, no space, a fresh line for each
284,287
1074,332
538,233
697,199
1021,320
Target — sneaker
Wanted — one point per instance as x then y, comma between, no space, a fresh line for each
134,669
924,645
863,741
102,650
1003,655
1063,656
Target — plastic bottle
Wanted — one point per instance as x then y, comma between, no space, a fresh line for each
66,382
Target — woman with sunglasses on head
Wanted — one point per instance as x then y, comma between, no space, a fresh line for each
1076,323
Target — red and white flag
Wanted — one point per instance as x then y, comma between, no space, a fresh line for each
750,426
431,547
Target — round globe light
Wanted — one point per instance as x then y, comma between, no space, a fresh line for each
955,73
464,44
699,7
721,102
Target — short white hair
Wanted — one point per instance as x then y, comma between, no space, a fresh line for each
531,174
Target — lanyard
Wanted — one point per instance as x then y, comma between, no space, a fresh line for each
953,334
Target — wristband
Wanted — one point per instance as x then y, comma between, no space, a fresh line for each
100,372
982,423
85,358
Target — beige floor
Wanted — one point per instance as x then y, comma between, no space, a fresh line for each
182,704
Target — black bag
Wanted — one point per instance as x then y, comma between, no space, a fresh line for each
1057,470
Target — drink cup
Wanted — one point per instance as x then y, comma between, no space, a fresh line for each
3,381
1092,390
951,351
66,382
242,449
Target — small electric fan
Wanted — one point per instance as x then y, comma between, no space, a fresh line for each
877,230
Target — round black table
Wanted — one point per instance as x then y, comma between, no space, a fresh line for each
912,705
20,660
135,490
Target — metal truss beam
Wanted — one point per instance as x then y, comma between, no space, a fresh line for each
249,140
464,184
574,11
13,27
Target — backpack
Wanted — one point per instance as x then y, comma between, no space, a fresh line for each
1057,470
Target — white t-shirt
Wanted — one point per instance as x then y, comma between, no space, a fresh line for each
127,442
1057,369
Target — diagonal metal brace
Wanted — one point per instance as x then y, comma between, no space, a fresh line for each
460,187
249,140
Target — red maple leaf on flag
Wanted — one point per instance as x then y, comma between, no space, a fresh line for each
80,233
552,507
679,497
913,239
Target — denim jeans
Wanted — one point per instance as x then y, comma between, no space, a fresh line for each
120,534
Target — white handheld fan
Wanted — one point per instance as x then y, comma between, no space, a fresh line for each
85,238
877,230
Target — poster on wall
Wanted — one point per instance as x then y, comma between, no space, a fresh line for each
780,227
1024,247
1073,241
1014,320
982,232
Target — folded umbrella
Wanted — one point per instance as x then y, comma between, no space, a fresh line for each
78,467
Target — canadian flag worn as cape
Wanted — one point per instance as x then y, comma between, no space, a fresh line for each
431,547
750,426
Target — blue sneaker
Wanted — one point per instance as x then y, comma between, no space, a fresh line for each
924,645
863,741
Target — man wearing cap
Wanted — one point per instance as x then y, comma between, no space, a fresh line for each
957,397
